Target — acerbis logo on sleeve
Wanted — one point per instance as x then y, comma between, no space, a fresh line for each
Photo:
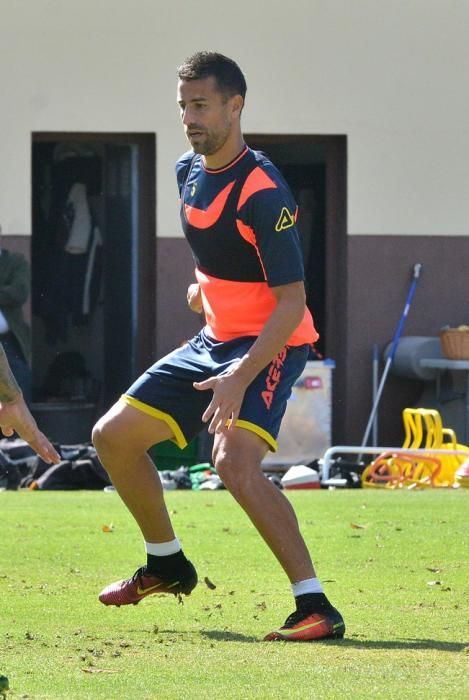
286,220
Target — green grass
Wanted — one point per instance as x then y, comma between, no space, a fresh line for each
405,638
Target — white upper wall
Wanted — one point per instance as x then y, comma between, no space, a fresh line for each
390,74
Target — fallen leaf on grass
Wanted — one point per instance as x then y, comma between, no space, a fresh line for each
434,569
107,528
99,670
356,526
209,584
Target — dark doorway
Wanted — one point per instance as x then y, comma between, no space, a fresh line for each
93,265
315,168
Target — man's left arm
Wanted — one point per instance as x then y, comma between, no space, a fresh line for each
229,389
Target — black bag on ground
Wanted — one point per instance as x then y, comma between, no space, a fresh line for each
79,468
71,475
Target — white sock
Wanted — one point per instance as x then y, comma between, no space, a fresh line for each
162,549
309,585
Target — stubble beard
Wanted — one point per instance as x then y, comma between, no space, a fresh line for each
211,142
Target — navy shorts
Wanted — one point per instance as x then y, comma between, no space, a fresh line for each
165,390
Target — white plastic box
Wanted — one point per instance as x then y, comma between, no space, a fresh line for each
305,433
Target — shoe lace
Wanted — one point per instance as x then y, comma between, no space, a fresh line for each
138,575
295,617
299,615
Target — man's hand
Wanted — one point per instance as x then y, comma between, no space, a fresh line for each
228,393
229,388
194,298
15,417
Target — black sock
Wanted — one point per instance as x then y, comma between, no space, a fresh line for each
167,567
312,602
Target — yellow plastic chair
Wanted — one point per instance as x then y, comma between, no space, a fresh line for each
440,438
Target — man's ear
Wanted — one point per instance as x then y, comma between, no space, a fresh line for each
237,104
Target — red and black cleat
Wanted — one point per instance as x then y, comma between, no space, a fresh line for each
141,584
302,626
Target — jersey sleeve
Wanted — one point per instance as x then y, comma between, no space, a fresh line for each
271,215
182,167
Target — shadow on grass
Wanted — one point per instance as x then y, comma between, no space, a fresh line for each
225,636
217,635
347,642
400,644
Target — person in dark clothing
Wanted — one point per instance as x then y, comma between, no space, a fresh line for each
236,375
15,333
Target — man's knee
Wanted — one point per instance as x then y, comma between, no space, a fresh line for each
238,472
103,433
127,432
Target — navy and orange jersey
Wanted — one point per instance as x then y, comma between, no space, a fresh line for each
240,223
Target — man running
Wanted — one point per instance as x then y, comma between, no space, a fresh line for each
238,216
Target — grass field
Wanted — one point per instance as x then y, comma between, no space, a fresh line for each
395,563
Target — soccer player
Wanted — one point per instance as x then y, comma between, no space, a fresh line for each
16,417
239,217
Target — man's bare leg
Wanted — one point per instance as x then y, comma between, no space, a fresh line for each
121,438
237,458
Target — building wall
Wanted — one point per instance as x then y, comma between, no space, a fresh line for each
390,75
380,269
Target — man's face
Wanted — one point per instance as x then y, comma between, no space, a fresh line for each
207,114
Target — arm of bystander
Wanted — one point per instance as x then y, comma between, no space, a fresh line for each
16,417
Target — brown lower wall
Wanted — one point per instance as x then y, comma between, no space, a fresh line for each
379,277
378,281
175,271
18,244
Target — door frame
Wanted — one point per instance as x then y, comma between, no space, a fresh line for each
143,346
336,262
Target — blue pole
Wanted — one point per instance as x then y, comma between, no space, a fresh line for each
395,341
375,373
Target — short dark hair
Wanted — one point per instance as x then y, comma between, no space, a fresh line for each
205,64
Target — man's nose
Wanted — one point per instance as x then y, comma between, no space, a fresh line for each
187,116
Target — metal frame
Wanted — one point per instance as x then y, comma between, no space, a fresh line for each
358,450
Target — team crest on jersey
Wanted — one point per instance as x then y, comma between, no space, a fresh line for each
193,187
285,220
